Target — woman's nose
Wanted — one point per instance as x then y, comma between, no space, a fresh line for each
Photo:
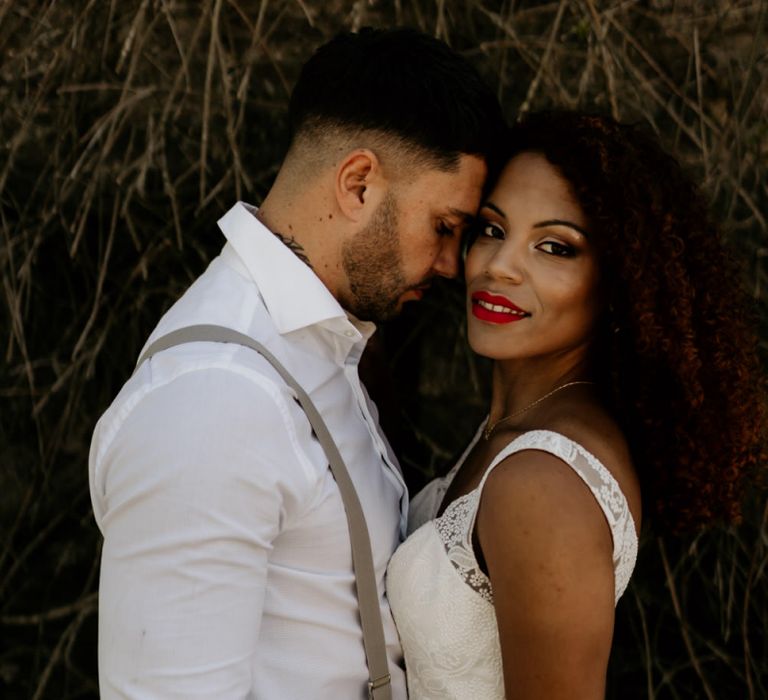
507,263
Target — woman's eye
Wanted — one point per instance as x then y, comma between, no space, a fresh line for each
480,230
444,230
561,250
489,230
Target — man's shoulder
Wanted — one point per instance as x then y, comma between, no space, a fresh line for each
180,407
185,379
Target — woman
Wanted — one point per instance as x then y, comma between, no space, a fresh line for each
623,365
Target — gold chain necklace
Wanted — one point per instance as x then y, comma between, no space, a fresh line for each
488,430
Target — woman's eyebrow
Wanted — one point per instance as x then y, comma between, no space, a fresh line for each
493,207
561,222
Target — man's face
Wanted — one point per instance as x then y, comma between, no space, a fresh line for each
413,236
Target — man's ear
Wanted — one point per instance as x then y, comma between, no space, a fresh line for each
359,182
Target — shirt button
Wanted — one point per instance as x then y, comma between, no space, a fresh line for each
349,334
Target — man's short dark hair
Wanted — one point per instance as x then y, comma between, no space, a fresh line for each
404,84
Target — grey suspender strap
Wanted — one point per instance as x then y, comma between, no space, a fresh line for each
362,560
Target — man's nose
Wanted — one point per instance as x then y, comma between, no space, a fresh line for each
447,262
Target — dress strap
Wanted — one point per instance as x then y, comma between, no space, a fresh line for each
601,483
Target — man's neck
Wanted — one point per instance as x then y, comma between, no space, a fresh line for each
308,234
295,247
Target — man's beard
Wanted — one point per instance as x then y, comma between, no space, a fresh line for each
373,263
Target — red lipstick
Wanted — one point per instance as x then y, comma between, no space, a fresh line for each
495,308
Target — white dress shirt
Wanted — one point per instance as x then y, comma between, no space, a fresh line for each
226,569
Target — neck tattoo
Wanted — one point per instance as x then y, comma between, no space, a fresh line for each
490,427
296,247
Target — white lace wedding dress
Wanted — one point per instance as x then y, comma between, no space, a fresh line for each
442,601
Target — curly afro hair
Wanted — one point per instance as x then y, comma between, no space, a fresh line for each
676,353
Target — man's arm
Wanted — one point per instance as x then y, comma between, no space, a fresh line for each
197,483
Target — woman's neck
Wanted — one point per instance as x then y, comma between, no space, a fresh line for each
520,383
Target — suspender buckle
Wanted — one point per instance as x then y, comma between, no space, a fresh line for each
374,685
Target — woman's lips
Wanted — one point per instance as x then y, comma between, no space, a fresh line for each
496,309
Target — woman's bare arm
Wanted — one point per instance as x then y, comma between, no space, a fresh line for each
548,549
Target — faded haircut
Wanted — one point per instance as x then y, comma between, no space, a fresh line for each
403,92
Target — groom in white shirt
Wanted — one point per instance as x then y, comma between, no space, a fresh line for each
226,568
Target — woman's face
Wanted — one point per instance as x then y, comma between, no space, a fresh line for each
532,276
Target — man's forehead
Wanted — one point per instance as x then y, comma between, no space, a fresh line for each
452,193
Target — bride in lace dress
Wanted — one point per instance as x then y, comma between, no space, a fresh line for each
595,281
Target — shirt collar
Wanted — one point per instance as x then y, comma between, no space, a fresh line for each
293,294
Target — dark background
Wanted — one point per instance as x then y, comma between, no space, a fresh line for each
127,128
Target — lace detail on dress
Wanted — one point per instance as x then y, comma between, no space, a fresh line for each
456,524
425,504
452,528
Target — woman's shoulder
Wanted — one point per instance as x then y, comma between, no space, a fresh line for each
596,434
533,489
558,452
583,428
532,513
582,442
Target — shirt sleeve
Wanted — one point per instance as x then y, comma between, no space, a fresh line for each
199,479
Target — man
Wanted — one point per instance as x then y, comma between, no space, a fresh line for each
226,569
